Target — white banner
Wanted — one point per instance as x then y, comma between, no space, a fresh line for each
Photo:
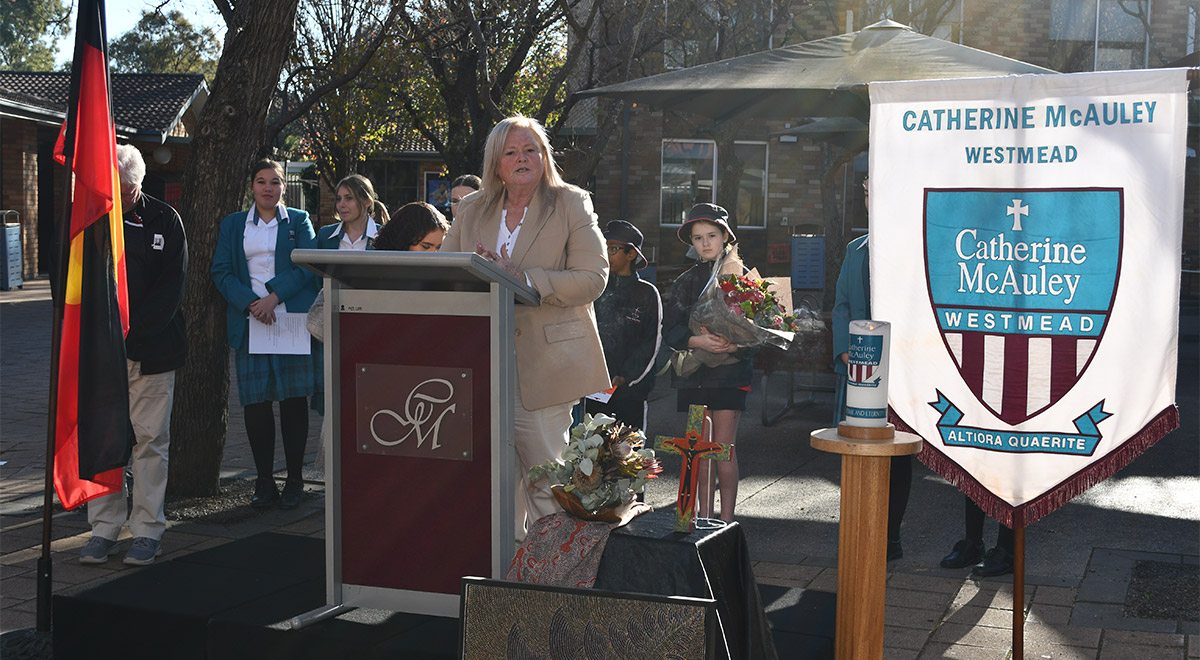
1025,246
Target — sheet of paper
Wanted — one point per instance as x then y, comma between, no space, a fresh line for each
288,335
602,397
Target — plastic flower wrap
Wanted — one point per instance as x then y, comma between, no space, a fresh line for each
604,464
742,309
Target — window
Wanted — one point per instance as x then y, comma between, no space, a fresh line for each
689,176
689,172
1098,35
752,194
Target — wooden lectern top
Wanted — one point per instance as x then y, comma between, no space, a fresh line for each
902,444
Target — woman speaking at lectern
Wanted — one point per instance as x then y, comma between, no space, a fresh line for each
542,230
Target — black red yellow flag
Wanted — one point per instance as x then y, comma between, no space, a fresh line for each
92,416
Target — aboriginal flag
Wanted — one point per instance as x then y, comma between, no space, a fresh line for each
91,444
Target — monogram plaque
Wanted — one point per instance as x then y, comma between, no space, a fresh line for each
422,412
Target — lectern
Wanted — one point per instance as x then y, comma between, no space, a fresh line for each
419,377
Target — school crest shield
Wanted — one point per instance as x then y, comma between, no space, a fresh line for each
1022,283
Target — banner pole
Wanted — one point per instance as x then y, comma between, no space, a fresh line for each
57,288
1018,592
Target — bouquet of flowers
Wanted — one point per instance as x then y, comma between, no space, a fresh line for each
604,464
742,309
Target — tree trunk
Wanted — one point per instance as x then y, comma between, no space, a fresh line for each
230,135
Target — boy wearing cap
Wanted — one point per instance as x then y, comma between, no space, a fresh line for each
629,318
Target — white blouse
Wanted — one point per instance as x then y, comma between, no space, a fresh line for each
259,244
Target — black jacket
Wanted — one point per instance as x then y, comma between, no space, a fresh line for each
156,266
629,318
676,313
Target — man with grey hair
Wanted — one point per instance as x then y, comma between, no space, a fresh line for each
155,265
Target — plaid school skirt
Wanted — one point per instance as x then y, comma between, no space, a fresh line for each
277,377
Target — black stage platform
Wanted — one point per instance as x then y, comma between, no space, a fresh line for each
233,601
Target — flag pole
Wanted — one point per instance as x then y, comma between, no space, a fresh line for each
1018,592
58,293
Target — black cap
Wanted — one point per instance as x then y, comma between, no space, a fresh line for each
620,231
708,213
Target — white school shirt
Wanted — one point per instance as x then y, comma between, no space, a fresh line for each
259,245
361,244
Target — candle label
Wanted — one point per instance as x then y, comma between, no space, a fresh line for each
867,373
866,352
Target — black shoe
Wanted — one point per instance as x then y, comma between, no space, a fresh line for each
997,561
894,550
265,494
293,492
966,553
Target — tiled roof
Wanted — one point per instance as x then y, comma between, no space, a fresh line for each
412,145
145,102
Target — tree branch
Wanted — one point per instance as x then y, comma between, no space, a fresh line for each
226,10
350,74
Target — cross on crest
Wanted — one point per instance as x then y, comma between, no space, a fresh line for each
1016,210
693,446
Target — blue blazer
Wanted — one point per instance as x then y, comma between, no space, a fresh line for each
295,286
852,299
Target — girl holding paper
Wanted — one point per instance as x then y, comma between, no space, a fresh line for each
253,270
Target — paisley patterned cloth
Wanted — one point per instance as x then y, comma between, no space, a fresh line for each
561,550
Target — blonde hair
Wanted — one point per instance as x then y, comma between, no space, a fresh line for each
360,186
493,187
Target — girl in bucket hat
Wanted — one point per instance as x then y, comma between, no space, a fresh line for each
722,388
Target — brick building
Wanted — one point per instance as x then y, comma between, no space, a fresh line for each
783,173
155,112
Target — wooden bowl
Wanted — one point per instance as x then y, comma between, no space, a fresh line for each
571,504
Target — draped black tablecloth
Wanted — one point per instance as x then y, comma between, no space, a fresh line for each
648,556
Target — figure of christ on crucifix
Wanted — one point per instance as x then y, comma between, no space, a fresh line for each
695,445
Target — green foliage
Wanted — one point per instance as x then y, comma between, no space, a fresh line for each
28,29
166,43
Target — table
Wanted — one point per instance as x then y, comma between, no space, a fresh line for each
648,556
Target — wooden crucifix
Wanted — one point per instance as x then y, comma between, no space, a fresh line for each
693,446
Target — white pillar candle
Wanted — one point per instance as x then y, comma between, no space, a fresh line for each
867,381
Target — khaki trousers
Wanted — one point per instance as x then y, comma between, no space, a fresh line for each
539,435
150,400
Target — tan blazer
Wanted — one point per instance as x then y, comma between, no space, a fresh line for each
561,250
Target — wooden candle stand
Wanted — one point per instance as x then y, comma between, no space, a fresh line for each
862,531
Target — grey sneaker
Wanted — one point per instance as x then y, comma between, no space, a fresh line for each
97,551
143,552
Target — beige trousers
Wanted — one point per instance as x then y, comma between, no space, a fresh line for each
150,400
539,435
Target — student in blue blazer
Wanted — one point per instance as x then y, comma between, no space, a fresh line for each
253,270
360,212
360,215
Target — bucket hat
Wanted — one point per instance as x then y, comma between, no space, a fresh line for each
708,213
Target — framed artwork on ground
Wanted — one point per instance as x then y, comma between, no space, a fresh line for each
437,190
501,619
